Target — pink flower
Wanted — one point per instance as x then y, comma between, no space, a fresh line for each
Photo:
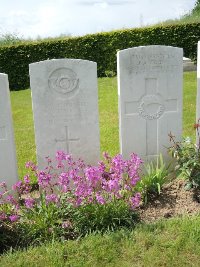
29,203
135,201
3,216
84,184
93,175
61,155
31,165
136,160
22,188
17,185
134,180
51,199
10,199
44,178
127,187
63,179
102,166
80,164
100,199
78,202
113,185
107,156
27,179
4,186
14,217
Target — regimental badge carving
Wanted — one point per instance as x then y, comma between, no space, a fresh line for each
151,107
64,81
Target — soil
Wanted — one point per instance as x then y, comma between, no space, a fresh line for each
174,200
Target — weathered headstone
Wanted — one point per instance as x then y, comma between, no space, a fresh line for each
65,107
150,99
8,162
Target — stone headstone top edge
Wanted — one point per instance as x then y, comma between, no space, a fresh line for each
3,74
149,46
60,60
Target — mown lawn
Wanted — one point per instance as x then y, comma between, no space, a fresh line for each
169,243
108,116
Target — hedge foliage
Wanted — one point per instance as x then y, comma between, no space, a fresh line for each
101,48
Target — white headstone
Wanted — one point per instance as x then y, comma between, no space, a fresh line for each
8,162
65,107
150,99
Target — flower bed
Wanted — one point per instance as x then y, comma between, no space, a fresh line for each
72,199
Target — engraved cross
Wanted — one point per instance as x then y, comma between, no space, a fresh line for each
150,107
67,140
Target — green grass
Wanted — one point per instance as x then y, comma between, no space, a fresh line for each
23,128
174,242
108,116
189,104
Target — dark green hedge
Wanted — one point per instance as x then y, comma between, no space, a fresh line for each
101,48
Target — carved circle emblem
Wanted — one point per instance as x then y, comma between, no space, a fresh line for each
63,81
151,107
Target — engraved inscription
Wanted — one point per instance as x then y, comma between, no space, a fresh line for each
64,81
67,111
151,107
153,63
67,140
2,133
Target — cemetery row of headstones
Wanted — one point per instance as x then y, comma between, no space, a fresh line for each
65,107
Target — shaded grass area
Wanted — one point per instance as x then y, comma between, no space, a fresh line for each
108,117
189,104
174,242
23,128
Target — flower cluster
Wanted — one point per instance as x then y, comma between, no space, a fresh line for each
76,183
9,205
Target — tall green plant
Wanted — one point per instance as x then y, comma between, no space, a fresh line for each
187,155
156,175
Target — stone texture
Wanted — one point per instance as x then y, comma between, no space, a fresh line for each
150,99
8,162
65,106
